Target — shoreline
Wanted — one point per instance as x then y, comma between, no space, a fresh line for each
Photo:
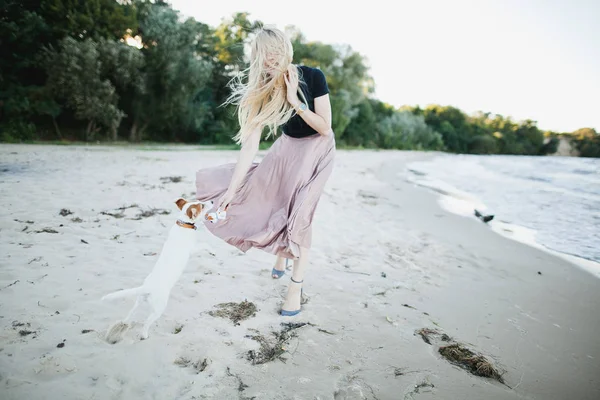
513,231
464,204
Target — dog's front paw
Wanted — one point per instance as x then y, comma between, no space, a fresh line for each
143,335
212,217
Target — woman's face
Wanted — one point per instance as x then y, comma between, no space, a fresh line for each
271,64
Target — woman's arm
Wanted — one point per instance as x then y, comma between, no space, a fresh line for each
245,159
320,120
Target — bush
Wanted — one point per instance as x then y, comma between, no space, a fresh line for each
483,144
589,147
406,131
17,131
550,147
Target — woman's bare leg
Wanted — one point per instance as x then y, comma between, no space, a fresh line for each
293,298
279,265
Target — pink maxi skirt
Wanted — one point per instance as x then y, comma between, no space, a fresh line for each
273,208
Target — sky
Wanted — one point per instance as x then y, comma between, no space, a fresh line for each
527,59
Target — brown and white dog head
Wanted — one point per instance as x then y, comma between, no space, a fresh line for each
192,210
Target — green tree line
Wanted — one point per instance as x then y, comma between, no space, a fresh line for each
136,70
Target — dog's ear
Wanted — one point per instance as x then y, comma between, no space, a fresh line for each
180,202
194,210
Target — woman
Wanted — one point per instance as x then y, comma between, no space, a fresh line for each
270,205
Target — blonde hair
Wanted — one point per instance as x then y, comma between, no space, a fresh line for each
260,96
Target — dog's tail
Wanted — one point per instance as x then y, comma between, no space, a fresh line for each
124,293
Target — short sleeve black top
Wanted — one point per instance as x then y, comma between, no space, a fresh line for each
313,84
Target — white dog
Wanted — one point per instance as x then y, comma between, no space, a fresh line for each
170,265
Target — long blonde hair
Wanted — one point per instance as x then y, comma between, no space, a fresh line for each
261,98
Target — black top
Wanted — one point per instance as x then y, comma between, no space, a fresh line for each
313,85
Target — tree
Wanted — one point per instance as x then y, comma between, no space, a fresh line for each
82,19
65,64
483,144
342,112
406,131
585,133
530,136
123,66
587,141
172,104
74,75
346,72
28,27
20,83
361,130
451,123
226,50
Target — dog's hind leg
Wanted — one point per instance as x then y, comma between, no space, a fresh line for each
158,307
151,319
117,330
129,316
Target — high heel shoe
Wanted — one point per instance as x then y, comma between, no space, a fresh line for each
286,313
276,274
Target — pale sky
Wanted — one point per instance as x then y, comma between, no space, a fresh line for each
537,59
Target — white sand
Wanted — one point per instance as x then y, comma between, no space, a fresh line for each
457,275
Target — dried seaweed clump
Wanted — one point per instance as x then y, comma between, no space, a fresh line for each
274,347
236,312
466,359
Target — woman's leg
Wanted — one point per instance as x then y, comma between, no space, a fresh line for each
279,265
293,299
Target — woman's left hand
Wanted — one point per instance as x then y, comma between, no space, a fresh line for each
292,89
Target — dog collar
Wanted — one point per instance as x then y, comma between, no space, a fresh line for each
187,225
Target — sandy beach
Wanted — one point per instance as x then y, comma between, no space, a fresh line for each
78,222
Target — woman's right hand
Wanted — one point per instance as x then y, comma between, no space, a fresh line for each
291,88
224,202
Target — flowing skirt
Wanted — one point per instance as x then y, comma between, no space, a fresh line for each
274,206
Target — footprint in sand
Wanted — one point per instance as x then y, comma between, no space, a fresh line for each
116,332
354,388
